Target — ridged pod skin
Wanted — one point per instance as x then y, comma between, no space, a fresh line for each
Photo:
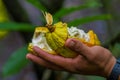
55,36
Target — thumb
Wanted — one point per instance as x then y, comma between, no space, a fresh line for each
77,46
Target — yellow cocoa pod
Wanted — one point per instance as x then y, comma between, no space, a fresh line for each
3,18
3,33
52,38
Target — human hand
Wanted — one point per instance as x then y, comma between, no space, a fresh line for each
94,60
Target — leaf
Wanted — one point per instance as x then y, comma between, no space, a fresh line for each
37,4
16,62
115,50
94,3
12,26
88,19
65,11
95,78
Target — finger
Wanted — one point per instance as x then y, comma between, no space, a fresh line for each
78,47
66,63
42,62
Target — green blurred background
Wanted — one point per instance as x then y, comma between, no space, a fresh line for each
18,19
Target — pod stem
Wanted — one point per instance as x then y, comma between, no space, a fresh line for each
50,27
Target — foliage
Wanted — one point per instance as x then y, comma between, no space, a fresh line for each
15,63
115,49
88,19
65,11
12,26
37,4
95,78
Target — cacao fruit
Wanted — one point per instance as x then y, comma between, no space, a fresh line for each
52,38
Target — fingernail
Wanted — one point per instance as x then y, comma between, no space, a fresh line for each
35,48
27,56
71,44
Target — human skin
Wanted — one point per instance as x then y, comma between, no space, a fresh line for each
94,60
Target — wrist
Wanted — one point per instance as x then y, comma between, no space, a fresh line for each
109,67
115,73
